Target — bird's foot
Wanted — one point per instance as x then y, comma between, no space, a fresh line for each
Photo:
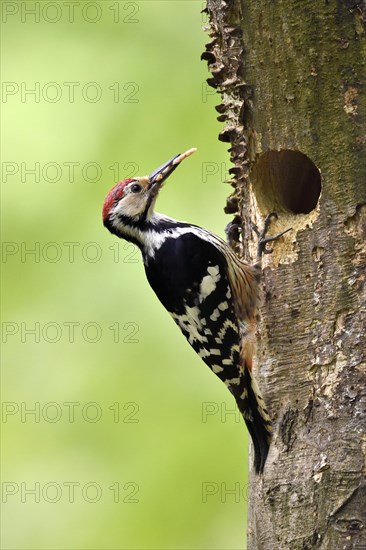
233,231
263,239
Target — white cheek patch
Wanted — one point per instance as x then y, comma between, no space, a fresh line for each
131,206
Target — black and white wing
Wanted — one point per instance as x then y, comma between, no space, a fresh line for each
191,278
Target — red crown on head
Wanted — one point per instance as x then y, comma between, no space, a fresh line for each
114,195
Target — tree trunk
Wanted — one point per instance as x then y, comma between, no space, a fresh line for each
292,79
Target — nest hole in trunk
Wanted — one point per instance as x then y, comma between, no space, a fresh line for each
286,181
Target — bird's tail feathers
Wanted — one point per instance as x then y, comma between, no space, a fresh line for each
256,417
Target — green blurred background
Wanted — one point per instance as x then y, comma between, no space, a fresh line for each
133,443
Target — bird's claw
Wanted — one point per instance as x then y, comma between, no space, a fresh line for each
263,240
255,229
232,231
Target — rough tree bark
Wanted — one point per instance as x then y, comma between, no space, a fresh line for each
292,79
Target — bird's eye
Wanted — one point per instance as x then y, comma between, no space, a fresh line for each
136,188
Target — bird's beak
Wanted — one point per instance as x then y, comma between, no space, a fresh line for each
158,177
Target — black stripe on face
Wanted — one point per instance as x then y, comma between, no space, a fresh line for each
150,198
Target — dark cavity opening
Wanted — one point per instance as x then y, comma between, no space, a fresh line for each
286,180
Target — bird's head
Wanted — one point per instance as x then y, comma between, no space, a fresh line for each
131,202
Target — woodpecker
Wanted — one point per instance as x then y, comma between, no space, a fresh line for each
210,293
